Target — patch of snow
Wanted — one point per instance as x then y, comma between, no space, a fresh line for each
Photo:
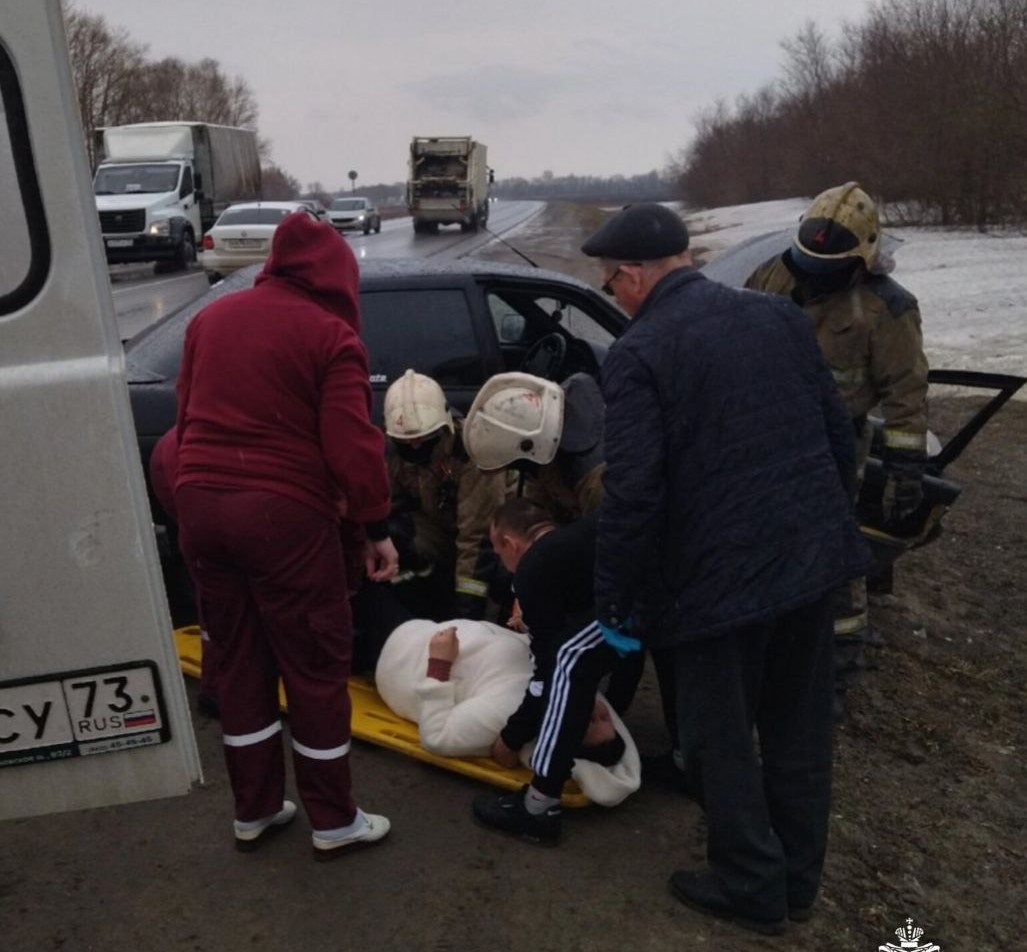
972,287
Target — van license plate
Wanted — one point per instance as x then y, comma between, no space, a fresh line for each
78,713
120,242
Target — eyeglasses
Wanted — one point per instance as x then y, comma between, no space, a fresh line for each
607,286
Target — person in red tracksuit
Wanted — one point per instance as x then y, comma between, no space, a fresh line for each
275,442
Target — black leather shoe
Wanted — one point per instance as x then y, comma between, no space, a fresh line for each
508,814
700,891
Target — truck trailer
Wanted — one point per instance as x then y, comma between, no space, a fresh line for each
448,184
160,185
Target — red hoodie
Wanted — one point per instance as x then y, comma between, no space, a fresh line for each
273,392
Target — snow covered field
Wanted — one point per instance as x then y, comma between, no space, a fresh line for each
972,288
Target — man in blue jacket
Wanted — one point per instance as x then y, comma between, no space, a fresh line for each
724,527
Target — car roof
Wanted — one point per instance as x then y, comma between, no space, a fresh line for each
161,343
237,205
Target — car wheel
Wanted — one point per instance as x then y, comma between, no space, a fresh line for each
186,253
367,228
213,277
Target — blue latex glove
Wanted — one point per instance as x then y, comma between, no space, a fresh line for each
620,642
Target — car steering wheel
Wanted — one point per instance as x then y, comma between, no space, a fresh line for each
546,357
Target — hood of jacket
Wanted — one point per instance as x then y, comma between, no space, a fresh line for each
314,258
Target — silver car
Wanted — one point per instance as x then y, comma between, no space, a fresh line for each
242,236
355,214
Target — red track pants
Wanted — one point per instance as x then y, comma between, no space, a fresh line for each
271,583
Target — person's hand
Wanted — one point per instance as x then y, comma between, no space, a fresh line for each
444,645
600,726
516,619
620,641
381,561
503,755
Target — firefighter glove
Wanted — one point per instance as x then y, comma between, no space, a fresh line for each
903,488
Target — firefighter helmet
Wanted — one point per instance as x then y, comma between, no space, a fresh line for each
515,416
839,225
415,407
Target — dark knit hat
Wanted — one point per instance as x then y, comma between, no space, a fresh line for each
642,232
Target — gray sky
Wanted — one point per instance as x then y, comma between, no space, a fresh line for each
576,86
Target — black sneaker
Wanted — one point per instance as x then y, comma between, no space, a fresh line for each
508,814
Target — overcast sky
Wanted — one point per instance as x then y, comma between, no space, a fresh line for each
573,86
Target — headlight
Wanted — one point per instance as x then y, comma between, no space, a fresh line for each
160,228
360,217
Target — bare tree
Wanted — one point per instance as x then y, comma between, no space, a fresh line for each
105,64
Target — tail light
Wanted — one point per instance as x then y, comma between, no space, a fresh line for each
208,242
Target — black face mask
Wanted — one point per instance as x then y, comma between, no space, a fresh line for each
418,455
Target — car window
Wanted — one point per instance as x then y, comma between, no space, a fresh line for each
253,216
428,330
521,316
24,239
348,204
187,183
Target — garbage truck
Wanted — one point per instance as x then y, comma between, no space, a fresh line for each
160,185
448,183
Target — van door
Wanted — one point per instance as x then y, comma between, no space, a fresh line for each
92,705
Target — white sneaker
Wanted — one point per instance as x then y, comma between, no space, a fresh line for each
248,833
366,829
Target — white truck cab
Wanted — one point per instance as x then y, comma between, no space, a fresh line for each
160,185
93,709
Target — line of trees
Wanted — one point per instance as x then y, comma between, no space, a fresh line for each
649,186
924,102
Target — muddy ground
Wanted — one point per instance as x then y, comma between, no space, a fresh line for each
927,821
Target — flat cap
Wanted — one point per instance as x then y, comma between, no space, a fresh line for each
642,232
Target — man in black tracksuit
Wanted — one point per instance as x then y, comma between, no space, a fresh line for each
724,528
553,581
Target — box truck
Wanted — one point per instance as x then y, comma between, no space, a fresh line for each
160,185
448,184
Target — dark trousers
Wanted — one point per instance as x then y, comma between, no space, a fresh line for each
766,810
271,581
568,699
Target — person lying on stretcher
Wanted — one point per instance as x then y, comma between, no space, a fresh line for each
460,681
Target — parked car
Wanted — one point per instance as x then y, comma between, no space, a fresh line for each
355,214
242,236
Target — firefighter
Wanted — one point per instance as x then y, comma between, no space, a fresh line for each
868,327
450,501
551,434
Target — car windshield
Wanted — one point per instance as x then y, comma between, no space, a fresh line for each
348,204
127,179
253,216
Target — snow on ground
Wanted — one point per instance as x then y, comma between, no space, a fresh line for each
972,287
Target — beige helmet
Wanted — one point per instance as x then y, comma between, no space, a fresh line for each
840,224
415,407
514,416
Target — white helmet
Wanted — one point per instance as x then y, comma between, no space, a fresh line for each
514,416
415,407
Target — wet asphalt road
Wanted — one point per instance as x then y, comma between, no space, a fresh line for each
142,297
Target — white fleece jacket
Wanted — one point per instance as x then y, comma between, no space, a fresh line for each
461,717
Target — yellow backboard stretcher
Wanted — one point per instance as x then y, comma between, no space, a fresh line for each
373,721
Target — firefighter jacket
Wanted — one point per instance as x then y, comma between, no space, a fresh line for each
452,502
869,332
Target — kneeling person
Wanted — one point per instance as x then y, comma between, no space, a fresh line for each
553,581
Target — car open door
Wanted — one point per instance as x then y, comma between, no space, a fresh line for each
92,705
889,541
